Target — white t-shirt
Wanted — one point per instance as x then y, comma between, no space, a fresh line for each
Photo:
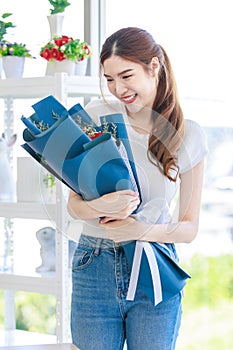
157,191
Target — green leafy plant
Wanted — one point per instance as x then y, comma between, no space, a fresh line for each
14,49
58,6
4,26
49,181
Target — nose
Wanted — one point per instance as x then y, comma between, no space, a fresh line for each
120,88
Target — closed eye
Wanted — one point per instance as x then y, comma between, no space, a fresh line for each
127,76
124,75
109,79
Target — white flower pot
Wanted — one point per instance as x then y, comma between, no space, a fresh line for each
13,66
65,66
81,68
55,24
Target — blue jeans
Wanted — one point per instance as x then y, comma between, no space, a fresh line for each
102,318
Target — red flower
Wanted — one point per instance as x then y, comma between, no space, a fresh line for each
96,134
62,41
87,49
46,54
57,55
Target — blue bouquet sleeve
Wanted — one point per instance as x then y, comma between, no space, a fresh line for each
157,271
95,175
89,167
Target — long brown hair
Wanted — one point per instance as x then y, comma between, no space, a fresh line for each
137,45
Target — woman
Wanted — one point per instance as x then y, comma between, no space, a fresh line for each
168,152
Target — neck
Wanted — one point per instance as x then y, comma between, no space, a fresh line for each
141,121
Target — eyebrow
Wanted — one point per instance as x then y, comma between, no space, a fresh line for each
123,72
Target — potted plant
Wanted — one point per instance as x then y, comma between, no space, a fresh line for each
61,50
48,190
4,26
12,54
13,58
56,18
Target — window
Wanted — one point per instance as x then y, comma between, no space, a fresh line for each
197,37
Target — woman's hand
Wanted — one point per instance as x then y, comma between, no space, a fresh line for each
115,205
124,230
112,206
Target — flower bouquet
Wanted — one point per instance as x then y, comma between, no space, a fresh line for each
89,165
93,160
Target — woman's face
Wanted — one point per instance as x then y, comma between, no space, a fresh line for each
130,83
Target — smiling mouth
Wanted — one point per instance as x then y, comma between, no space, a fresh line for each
129,99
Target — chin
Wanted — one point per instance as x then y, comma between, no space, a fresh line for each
133,108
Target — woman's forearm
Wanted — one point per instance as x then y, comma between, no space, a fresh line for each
180,232
80,209
116,205
130,229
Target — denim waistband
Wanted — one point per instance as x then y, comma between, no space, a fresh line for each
102,243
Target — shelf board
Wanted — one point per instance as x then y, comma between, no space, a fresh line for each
34,284
18,337
42,86
63,346
27,210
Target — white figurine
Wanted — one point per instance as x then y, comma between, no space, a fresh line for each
46,238
7,183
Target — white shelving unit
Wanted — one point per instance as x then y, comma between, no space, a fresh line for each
62,87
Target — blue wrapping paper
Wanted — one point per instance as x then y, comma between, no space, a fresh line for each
171,277
89,167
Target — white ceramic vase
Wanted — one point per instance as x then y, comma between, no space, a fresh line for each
55,24
65,66
13,66
81,68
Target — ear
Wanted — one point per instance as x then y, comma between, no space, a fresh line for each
155,65
11,140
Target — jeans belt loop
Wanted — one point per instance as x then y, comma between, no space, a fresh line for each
97,247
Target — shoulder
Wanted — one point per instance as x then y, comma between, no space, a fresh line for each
192,127
193,133
193,147
98,108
